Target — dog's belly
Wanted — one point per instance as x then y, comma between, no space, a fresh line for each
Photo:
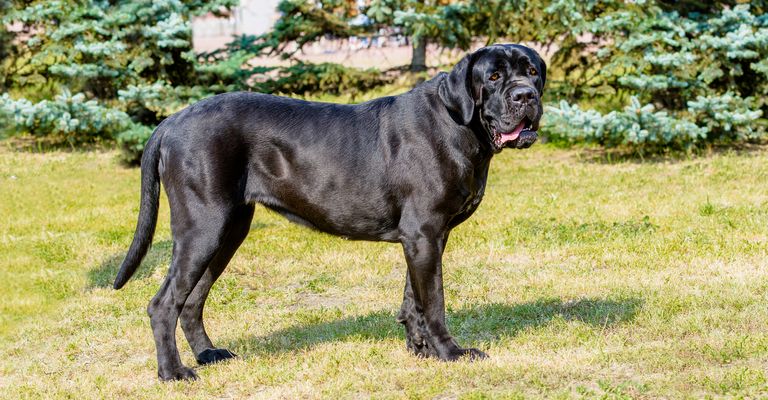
347,221
325,195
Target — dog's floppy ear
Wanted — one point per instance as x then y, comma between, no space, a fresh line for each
455,91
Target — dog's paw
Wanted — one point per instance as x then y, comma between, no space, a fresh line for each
417,345
416,342
179,374
210,356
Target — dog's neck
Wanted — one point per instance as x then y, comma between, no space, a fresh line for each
472,140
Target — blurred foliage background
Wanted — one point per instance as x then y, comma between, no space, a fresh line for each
647,75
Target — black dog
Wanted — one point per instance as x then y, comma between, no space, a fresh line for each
405,169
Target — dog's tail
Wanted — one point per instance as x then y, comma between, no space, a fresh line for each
150,196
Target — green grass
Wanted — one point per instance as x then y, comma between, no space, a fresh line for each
581,278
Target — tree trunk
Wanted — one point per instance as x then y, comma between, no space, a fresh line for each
419,55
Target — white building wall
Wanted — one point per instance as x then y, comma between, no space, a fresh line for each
252,17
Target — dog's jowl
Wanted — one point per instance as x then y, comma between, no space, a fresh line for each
404,169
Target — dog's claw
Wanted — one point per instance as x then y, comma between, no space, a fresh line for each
179,374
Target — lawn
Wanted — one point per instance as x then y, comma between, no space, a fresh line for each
581,277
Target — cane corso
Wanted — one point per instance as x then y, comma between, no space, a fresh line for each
405,169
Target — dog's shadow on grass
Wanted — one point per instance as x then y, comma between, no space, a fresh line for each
470,326
104,275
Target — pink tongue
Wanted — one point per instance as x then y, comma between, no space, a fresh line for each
508,137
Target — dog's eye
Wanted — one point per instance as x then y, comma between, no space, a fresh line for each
495,76
533,71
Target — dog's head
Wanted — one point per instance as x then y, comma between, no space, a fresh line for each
501,86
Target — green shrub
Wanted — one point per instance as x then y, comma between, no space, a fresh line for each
132,141
701,78
69,118
636,125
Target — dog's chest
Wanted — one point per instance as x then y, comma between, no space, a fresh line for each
472,199
471,194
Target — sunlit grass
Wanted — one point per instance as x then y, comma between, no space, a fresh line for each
581,279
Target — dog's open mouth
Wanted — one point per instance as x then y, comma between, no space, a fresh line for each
521,137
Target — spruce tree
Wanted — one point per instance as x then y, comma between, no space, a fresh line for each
689,78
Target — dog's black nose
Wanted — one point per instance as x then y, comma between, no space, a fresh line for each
523,94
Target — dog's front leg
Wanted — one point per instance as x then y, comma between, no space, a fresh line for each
424,315
415,326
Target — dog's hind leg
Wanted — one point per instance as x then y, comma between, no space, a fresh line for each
192,314
198,232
